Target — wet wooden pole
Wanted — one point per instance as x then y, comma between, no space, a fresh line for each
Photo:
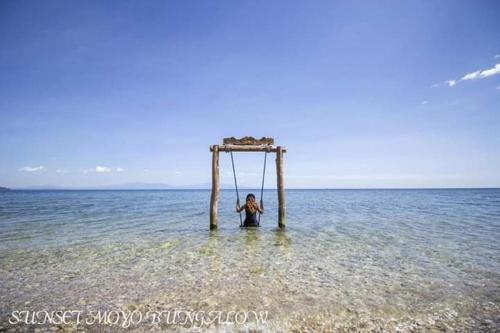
281,187
215,188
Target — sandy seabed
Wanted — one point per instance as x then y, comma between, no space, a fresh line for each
321,283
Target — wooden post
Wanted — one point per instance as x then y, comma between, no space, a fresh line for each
281,187
215,188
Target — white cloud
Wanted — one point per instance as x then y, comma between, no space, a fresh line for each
33,169
120,169
178,172
424,102
496,56
490,72
102,169
481,74
62,171
498,88
435,85
471,76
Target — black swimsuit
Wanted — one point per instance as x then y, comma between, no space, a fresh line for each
250,219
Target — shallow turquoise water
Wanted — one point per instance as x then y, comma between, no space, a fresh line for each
349,260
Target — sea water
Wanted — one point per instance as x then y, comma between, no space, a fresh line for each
348,260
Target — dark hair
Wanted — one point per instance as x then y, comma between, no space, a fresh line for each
250,208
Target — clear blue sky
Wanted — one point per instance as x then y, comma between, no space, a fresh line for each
362,93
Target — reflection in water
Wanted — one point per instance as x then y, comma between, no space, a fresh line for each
361,261
251,237
282,241
214,253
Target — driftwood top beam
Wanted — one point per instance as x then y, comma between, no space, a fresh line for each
248,148
248,141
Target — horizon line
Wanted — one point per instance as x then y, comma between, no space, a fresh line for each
247,188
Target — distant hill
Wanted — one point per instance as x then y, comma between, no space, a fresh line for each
41,187
133,186
128,186
4,189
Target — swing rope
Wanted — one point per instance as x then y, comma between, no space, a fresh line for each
262,187
236,186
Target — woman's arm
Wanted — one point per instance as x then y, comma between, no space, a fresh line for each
239,208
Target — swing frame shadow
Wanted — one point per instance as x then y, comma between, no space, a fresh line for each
229,148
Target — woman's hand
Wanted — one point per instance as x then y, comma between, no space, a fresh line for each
257,207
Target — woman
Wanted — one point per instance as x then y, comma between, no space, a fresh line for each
251,208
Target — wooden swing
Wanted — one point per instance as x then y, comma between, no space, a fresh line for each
247,144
